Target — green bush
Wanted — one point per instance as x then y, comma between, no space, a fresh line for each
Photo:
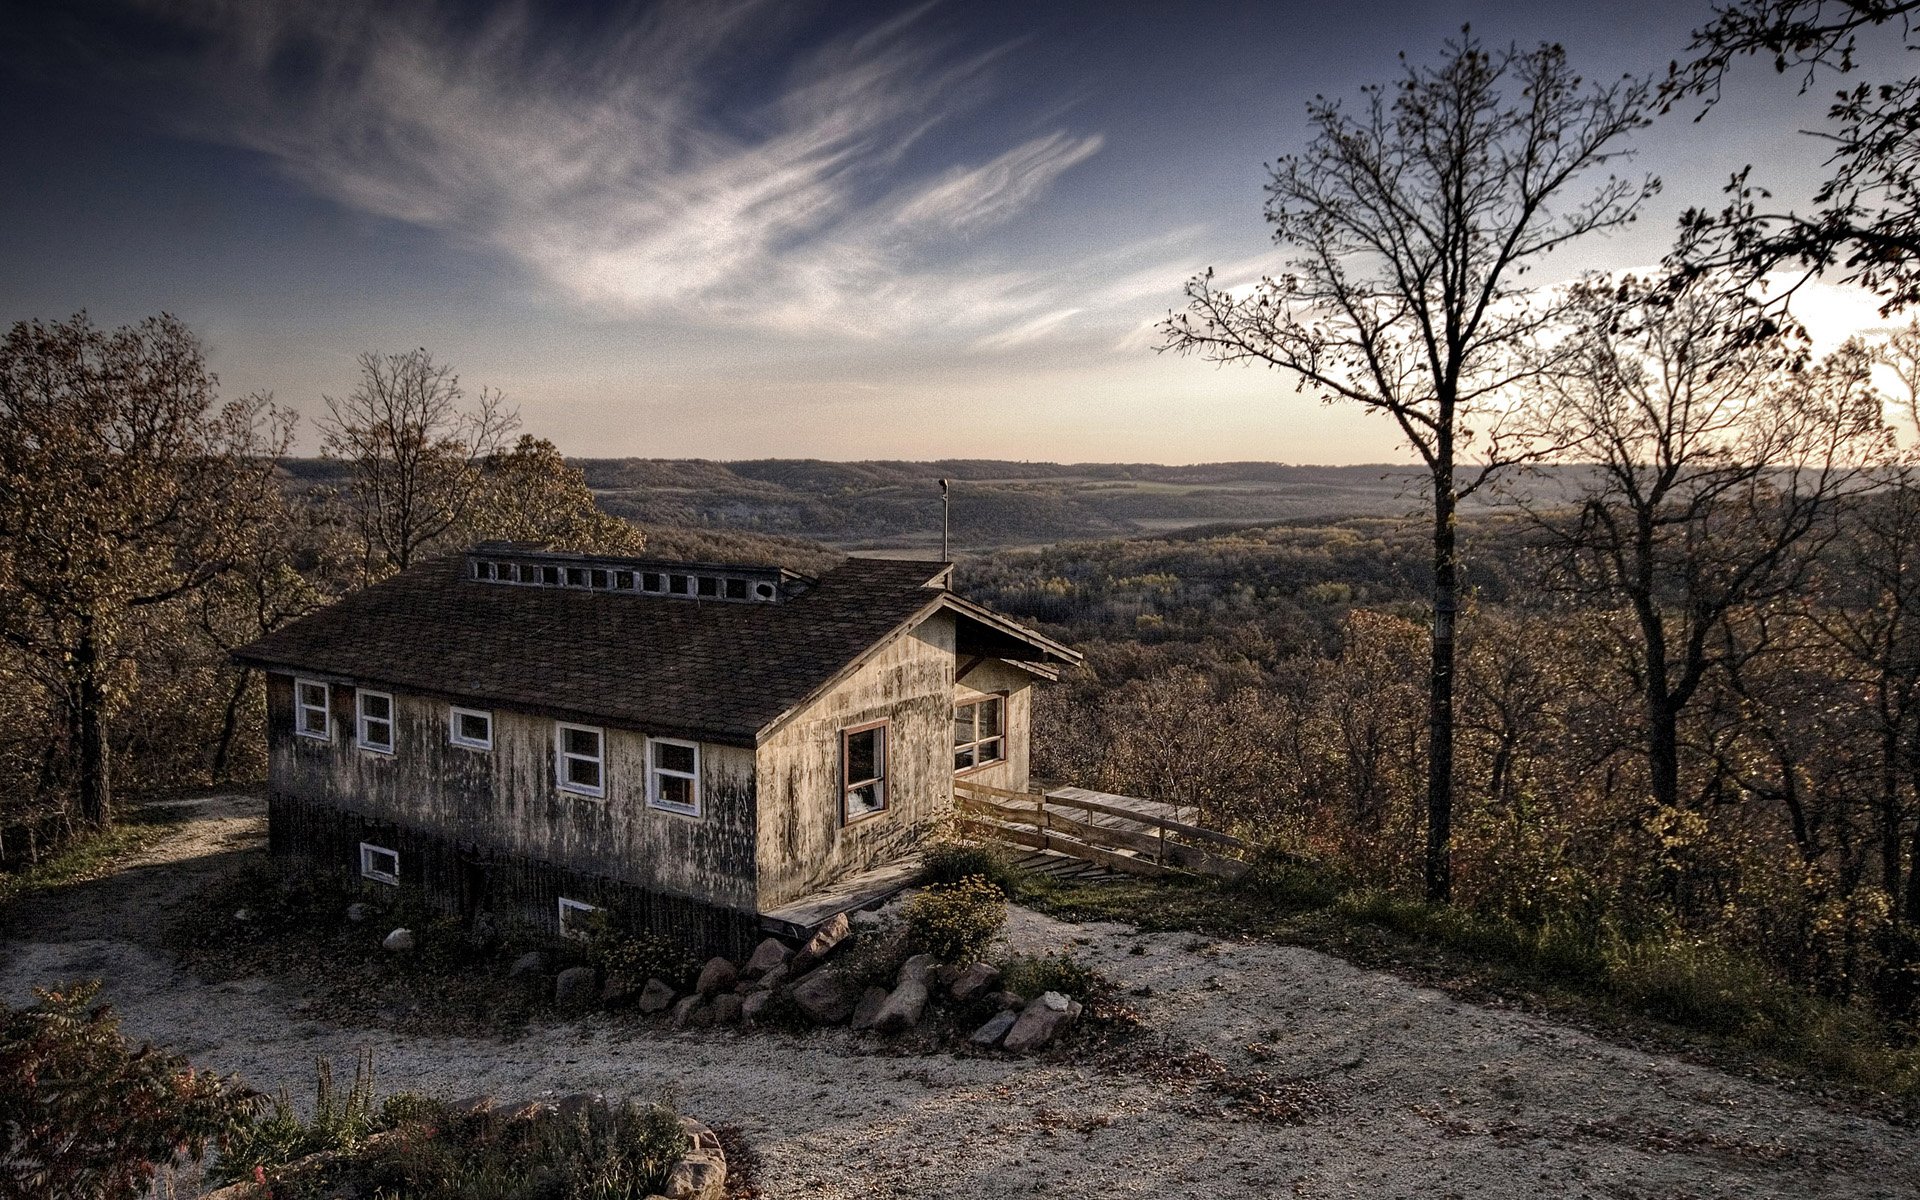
1030,975
87,1115
636,956
956,922
950,862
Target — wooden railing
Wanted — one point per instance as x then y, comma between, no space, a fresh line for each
1129,840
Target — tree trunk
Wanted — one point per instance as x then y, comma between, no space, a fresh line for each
229,725
1663,742
1890,814
95,781
1446,583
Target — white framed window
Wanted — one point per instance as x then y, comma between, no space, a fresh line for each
379,863
574,916
863,771
470,727
580,759
311,709
979,733
375,715
673,776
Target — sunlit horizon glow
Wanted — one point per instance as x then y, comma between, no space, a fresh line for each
758,229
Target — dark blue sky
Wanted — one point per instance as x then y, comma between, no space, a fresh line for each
727,230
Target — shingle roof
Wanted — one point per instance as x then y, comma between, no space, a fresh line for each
714,670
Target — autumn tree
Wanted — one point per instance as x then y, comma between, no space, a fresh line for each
1711,468
416,450
125,485
1412,219
1864,218
531,494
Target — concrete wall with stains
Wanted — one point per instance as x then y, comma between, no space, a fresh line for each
804,841
508,799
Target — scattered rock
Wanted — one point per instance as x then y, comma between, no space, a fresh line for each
867,919
725,1009
243,915
973,982
616,992
903,1008
655,997
716,977
995,1028
754,1008
473,1106
533,962
1040,1022
574,985
823,942
824,997
685,1012
699,1175
400,941
357,912
1007,1000
869,1007
578,1104
766,956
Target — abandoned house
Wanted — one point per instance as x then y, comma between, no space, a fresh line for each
711,750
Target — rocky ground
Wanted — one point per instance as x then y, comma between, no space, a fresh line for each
1266,1070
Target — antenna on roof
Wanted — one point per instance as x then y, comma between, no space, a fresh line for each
946,516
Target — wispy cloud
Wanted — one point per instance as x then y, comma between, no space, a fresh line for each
676,163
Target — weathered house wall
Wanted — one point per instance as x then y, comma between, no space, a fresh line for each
507,801
997,677
803,841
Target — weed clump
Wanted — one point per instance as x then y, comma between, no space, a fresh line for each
956,922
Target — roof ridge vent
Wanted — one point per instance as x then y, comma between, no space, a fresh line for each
515,566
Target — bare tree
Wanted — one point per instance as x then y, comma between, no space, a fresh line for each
124,485
415,450
1412,221
1715,464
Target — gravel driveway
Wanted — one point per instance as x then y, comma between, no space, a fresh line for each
1412,1093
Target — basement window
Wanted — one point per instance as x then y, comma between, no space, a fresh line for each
375,710
379,863
673,776
580,757
576,918
470,727
863,771
310,709
979,733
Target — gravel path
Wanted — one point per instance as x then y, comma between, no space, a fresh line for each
1412,1093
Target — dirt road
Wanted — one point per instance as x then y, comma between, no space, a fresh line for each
1414,1093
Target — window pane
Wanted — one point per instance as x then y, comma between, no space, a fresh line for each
599,578
709,586
736,589
314,694
990,751
550,576
863,755
672,757
584,772
675,790
990,718
583,741
476,727
651,582
867,798
963,758
375,705
379,733
623,581
680,585
963,725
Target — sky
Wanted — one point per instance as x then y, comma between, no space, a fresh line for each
764,228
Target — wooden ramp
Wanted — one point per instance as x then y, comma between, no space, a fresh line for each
800,918
1125,834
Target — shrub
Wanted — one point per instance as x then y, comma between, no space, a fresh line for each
636,956
340,1121
1705,987
956,922
1030,975
950,862
86,1114
1284,880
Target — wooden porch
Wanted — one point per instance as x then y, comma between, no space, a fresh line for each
1125,834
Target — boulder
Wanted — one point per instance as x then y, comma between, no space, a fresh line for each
772,979
400,941
617,991
869,1007
766,956
359,911
716,977
533,962
1007,1000
918,969
995,1028
824,997
753,1008
699,1175
1040,1022
575,985
578,1104
473,1106
823,942
655,997
725,1009
973,982
687,1011
902,1010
